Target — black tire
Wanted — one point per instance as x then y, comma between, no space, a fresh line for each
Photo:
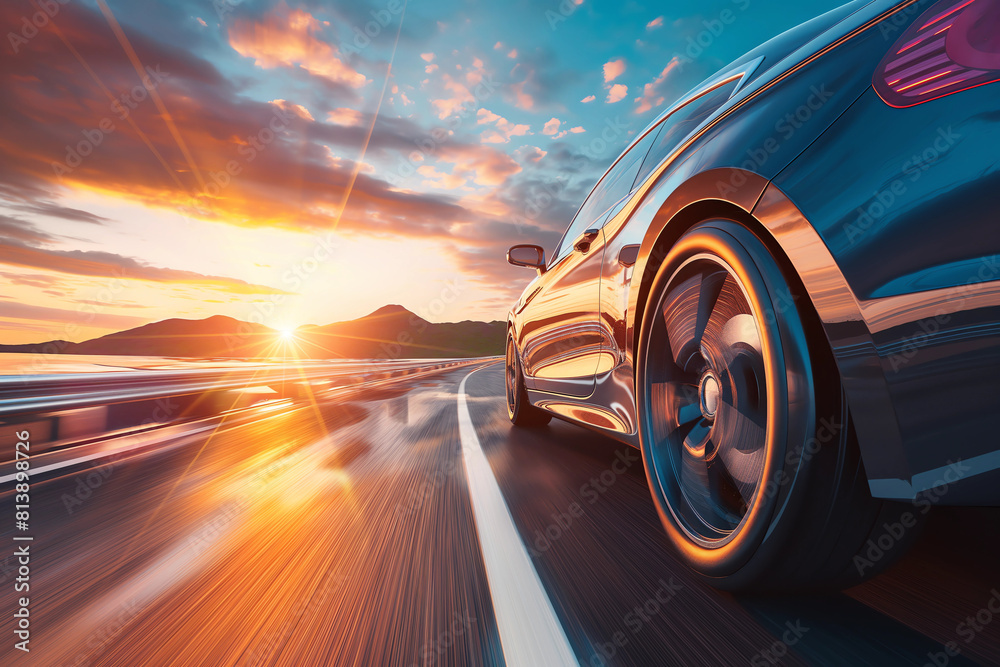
748,446
519,409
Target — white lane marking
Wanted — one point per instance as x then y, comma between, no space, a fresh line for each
530,632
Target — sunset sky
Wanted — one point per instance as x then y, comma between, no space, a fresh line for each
224,189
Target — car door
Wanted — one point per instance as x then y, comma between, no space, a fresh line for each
561,337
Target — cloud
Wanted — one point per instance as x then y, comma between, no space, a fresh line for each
291,182
440,179
551,126
481,164
617,93
588,99
652,93
21,230
344,116
613,69
577,130
512,53
460,96
53,210
504,129
530,154
522,99
655,23
288,38
23,311
296,109
428,57
109,265
476,73
538,80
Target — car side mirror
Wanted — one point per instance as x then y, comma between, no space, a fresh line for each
532,256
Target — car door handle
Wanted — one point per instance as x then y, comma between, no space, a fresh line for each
583,241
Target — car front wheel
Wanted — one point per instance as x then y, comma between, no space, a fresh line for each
519,409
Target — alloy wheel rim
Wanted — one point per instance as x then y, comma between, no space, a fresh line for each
706,394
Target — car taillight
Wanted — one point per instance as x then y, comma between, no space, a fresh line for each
953,46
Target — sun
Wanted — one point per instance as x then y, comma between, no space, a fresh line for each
287,334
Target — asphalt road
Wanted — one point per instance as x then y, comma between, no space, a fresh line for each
346,534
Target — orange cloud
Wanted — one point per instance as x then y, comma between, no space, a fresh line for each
617,93
461,95
110,265
287,38
504,128
296,109
613,69
344,116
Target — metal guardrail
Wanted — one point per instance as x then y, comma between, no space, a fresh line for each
34,394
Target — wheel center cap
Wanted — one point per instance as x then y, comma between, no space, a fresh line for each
708,395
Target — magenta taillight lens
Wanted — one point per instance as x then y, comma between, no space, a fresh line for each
953,46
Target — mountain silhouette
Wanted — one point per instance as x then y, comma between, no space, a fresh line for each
391,332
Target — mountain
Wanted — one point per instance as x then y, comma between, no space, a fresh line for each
217,336
391,332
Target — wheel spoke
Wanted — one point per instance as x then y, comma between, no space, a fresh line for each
708,488
678,407
694,483
687,311
741,329
697,438
688,413
742,446
712,282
